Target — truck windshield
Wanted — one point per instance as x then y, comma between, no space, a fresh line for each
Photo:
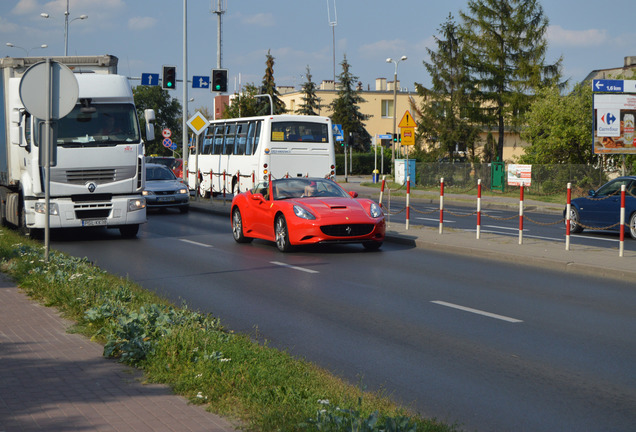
102,124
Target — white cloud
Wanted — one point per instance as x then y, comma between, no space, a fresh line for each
141,23
261,19
25,7
558,36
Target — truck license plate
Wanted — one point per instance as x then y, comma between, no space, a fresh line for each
93,222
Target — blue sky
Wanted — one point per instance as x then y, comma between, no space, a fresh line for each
146,34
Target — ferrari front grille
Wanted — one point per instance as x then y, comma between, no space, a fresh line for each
347,230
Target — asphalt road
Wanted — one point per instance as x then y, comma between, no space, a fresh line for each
486,345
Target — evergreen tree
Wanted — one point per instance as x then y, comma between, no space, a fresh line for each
506,46
311,102
443,112
345,110
168,112
269,88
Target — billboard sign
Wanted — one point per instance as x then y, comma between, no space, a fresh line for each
614,116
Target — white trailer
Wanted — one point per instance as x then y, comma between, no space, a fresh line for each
99,176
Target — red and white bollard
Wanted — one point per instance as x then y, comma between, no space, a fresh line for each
441,205
521,214
382,190
622,243
478,208
224,183
408,199
253,179
568,208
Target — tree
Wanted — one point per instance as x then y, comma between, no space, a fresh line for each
269,88
559,128
168,114
311,102
443,116
505,53
244,104
345,110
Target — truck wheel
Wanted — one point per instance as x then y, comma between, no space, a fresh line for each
129,231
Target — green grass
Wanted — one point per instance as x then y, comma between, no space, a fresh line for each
232,375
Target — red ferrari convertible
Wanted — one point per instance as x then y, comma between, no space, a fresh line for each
301,211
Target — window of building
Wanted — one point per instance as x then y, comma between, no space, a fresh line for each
387,108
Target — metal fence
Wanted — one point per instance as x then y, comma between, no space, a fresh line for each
546,179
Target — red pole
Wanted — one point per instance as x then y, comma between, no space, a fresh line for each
224,183
408,197
521,214
211,183
478,208
238,181
253,179
568,208
622,238
441,205
382,189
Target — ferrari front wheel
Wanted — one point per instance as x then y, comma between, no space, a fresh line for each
237,227
282,234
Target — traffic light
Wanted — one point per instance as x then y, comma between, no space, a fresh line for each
395,138
169,80
219,80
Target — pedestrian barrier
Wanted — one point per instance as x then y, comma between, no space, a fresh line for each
522,216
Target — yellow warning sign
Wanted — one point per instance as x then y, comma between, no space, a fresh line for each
407,121
408,136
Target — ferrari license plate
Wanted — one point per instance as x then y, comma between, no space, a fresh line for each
93,222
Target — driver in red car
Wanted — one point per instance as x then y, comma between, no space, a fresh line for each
310,190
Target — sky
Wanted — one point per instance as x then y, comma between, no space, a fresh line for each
147,34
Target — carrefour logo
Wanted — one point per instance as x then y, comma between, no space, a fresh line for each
607,124
608,118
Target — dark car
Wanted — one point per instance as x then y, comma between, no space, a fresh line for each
163,189
601,209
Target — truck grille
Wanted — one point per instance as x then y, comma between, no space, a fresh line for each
97,176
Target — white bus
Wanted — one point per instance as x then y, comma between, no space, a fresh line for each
234,154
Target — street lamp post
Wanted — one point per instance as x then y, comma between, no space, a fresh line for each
390,60
27,51
66,23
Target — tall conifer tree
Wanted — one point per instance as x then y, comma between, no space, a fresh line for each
345,109
311,102
506,47
269,87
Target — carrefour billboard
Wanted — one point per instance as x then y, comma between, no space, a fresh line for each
614,116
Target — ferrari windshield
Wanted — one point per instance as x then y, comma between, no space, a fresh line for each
306,187
91,125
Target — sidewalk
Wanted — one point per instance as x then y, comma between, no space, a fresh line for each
51,380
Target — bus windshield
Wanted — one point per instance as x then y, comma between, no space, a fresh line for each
98,125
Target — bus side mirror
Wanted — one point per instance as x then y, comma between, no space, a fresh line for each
149,116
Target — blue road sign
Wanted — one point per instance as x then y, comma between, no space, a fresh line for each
167,142
601,85
337,132
385,136
173,146
150,79
200,82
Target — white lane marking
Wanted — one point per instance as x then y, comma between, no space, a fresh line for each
436,219
477,311
503,228
196,243
306,270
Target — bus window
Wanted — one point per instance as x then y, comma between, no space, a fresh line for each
206,145
230,130
241,139
218,140
256,136
299,132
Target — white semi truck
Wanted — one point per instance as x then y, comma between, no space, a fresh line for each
98,177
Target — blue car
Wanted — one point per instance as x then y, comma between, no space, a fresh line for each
601,209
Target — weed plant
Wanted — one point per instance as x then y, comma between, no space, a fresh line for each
262,388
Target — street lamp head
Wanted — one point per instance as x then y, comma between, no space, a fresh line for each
44,15
9,44
83,17
389,60
44,46
403,58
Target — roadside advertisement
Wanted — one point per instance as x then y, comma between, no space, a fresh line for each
519,174
614,116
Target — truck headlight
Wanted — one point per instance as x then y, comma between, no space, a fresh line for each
40,207
136,204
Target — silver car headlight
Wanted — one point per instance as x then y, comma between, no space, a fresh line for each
146,193
183,191
303,213
375,211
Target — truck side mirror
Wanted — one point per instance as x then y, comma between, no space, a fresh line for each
149,115
17,127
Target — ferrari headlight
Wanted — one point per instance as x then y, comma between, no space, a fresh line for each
375,211
303,213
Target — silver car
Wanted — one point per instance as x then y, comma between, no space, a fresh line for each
163,189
